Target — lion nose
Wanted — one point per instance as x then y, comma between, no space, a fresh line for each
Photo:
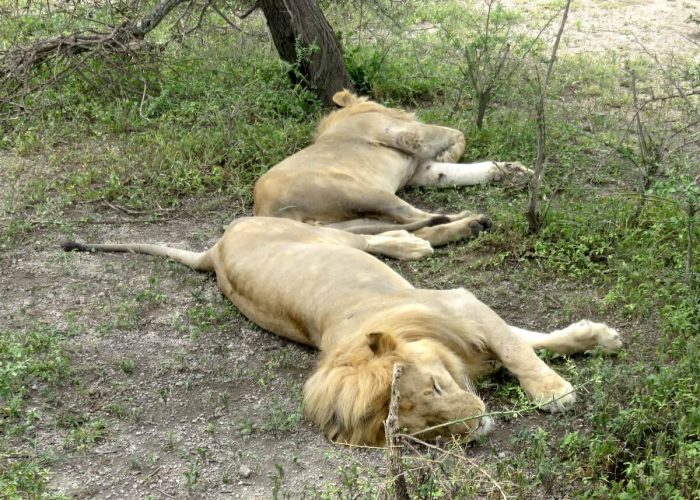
486,425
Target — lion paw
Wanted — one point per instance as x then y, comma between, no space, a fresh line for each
398,233
554,394
443,234
591,335
480,223
452,153
461,215
400,244
512,173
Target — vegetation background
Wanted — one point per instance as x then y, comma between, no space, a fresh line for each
129,376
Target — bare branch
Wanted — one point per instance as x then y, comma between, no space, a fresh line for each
247,13
682,93
393,440
557,40
533,214
142,27
637,118
202,12
224,17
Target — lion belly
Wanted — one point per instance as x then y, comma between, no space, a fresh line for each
299,290
322,184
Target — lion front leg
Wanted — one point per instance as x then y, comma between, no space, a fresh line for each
581,336
435,173
541,383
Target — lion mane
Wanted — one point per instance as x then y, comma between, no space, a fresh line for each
348,394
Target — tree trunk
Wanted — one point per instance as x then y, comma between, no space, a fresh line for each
300,24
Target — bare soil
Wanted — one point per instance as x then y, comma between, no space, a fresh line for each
196,400
624,27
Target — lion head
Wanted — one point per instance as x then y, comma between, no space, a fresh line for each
350,105
348,395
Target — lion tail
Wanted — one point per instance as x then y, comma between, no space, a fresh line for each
199,261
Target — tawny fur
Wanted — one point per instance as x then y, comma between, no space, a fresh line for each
361,155
317,286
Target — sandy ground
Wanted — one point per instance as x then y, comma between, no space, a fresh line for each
623,26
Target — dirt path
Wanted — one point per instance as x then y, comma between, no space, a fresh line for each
623,27
193,398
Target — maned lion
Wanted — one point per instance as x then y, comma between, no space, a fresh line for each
317,286
361,155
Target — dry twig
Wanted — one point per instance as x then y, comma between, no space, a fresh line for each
393,440
460,458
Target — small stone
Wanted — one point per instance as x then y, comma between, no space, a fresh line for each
244,471
502,454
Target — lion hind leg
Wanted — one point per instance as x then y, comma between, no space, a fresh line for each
399,245
581,336
467,227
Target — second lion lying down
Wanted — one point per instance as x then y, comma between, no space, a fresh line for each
361,155
317,286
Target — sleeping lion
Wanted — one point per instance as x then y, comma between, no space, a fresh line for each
317,286
361,155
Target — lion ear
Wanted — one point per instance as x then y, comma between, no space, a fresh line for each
344,98
381,343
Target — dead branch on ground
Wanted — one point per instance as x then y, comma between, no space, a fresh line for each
22,59
66,54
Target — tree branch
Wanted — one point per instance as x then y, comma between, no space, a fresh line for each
248,12
141,28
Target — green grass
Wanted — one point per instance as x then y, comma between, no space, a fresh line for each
205,117
30,362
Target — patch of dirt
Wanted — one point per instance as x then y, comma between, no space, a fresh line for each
622,26
210,401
